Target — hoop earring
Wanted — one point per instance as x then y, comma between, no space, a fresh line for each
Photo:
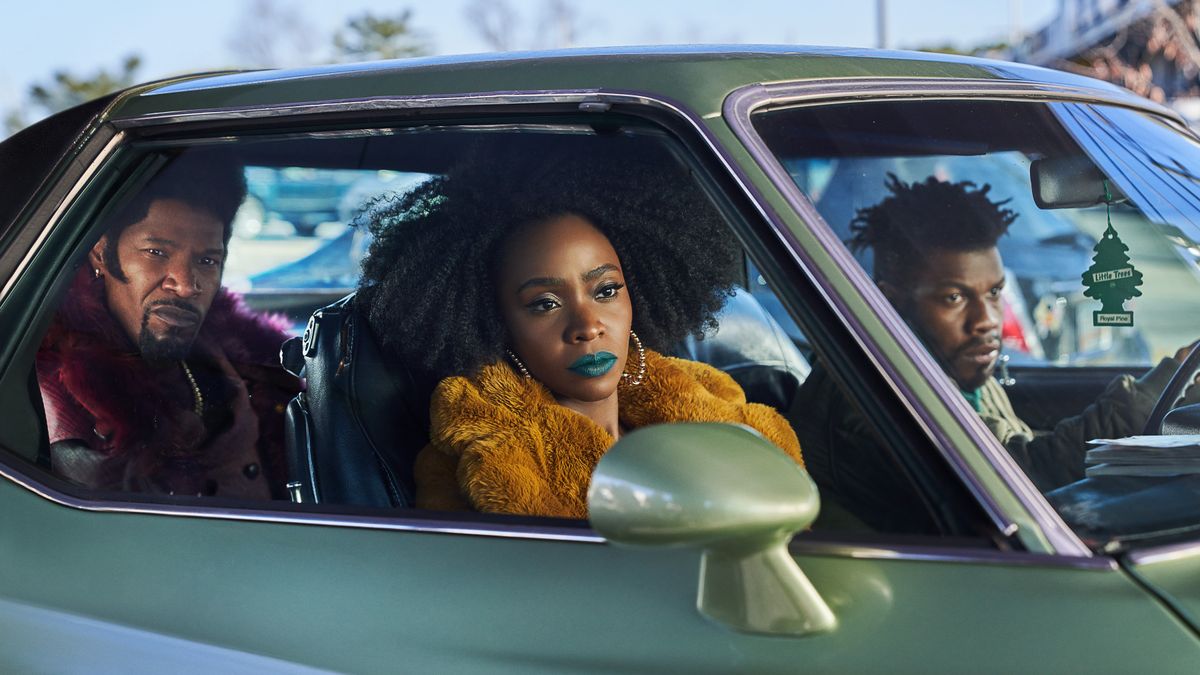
635,380
519,366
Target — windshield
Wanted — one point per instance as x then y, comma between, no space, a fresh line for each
1045,253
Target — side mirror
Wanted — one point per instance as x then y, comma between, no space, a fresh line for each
726,491
1069,182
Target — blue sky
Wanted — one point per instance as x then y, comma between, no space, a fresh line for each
38,38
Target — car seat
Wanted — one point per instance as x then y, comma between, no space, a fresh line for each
353,434
754,349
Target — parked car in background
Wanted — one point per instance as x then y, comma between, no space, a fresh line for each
304,197
703,553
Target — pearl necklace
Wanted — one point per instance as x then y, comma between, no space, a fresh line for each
198,405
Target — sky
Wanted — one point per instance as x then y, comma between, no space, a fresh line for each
40,38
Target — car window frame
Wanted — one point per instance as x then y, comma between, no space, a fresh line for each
738,110
443,108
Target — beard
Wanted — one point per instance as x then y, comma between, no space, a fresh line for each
971,376
173,343
976,378
967,377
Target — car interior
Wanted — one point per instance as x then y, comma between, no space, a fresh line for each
843,166
353,434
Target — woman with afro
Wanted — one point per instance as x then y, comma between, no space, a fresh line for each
542,289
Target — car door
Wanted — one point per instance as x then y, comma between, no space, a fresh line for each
1146,519
117,581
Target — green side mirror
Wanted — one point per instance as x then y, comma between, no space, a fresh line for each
730,493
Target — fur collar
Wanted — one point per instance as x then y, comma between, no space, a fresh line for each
514,449
93,378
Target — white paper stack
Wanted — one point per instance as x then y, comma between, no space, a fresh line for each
1144,456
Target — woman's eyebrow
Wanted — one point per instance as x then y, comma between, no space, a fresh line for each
542,281
559,281
599,271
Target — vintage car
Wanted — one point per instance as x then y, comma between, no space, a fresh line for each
705,550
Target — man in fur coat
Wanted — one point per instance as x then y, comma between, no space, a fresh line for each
154,377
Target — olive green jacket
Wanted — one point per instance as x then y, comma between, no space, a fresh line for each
1054,458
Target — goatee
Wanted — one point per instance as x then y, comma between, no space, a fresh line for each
172,345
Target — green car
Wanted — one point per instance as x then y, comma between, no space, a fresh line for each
921,541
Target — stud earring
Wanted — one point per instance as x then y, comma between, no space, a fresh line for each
520,366
96,272
635,380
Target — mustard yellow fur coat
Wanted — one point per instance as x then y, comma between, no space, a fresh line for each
500,443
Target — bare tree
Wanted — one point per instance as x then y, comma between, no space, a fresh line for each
271,34
1184,34
1138,54
495,21
560,24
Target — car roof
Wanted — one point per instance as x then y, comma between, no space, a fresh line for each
699,77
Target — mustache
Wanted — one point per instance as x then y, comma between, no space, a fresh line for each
991,341
178,304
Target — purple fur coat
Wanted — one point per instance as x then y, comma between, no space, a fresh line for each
133,419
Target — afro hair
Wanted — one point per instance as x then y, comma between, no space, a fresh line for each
428,284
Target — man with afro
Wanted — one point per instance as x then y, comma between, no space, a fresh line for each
936,259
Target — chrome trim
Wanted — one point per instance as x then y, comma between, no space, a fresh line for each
294,491
367,132
514,531
67,201
838,90
945,554
900,552
737,110
380,103
1162,554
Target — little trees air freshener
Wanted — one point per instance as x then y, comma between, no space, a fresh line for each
1111,279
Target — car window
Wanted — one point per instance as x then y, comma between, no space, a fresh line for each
299,236
196,276
1045,254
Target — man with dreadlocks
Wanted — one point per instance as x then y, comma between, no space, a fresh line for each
936,260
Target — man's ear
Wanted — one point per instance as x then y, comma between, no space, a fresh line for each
96,255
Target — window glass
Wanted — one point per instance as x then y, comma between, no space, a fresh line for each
1046,255
295,243
161,372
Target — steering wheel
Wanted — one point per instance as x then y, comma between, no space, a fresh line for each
1169,396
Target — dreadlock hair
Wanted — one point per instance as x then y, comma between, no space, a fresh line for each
429,279
920,216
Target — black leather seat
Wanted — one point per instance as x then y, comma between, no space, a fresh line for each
353,435
755,350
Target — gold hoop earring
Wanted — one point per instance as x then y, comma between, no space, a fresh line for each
635,380
520,366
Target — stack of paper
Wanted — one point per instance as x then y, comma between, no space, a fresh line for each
1144,456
